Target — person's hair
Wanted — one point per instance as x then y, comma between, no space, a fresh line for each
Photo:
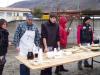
53,15
86,18
2,21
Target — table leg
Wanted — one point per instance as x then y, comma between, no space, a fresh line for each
92,63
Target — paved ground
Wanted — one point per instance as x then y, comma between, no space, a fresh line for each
12,67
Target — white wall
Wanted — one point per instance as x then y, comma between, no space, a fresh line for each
11,16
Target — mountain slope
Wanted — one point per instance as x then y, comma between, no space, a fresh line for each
63,4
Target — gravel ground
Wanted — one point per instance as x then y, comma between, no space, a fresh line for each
12,66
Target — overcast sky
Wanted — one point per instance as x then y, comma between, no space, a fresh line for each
4,3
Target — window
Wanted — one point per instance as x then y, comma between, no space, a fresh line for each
24,14
9,13
1,13
17,14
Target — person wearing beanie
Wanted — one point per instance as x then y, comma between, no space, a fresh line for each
26,38
85,37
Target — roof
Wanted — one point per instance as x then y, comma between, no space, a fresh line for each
15,9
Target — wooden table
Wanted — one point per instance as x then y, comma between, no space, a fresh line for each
58,61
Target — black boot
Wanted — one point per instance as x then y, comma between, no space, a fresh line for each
62,68
46,71
86,64
57,71
80,65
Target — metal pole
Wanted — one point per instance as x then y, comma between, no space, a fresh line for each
78,4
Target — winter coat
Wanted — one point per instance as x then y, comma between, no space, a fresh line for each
63,33
3,41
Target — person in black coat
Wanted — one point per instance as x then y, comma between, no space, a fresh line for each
85,38
3,43
50,40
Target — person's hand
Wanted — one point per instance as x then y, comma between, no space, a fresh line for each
80,45
70,29
18,49
92,42
46,50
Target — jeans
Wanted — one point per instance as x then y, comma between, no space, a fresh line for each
24,70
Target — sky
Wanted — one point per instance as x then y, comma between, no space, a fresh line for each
5,3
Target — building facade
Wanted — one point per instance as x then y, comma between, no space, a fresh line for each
12,14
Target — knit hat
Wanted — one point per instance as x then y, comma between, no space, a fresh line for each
29,16
86,18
